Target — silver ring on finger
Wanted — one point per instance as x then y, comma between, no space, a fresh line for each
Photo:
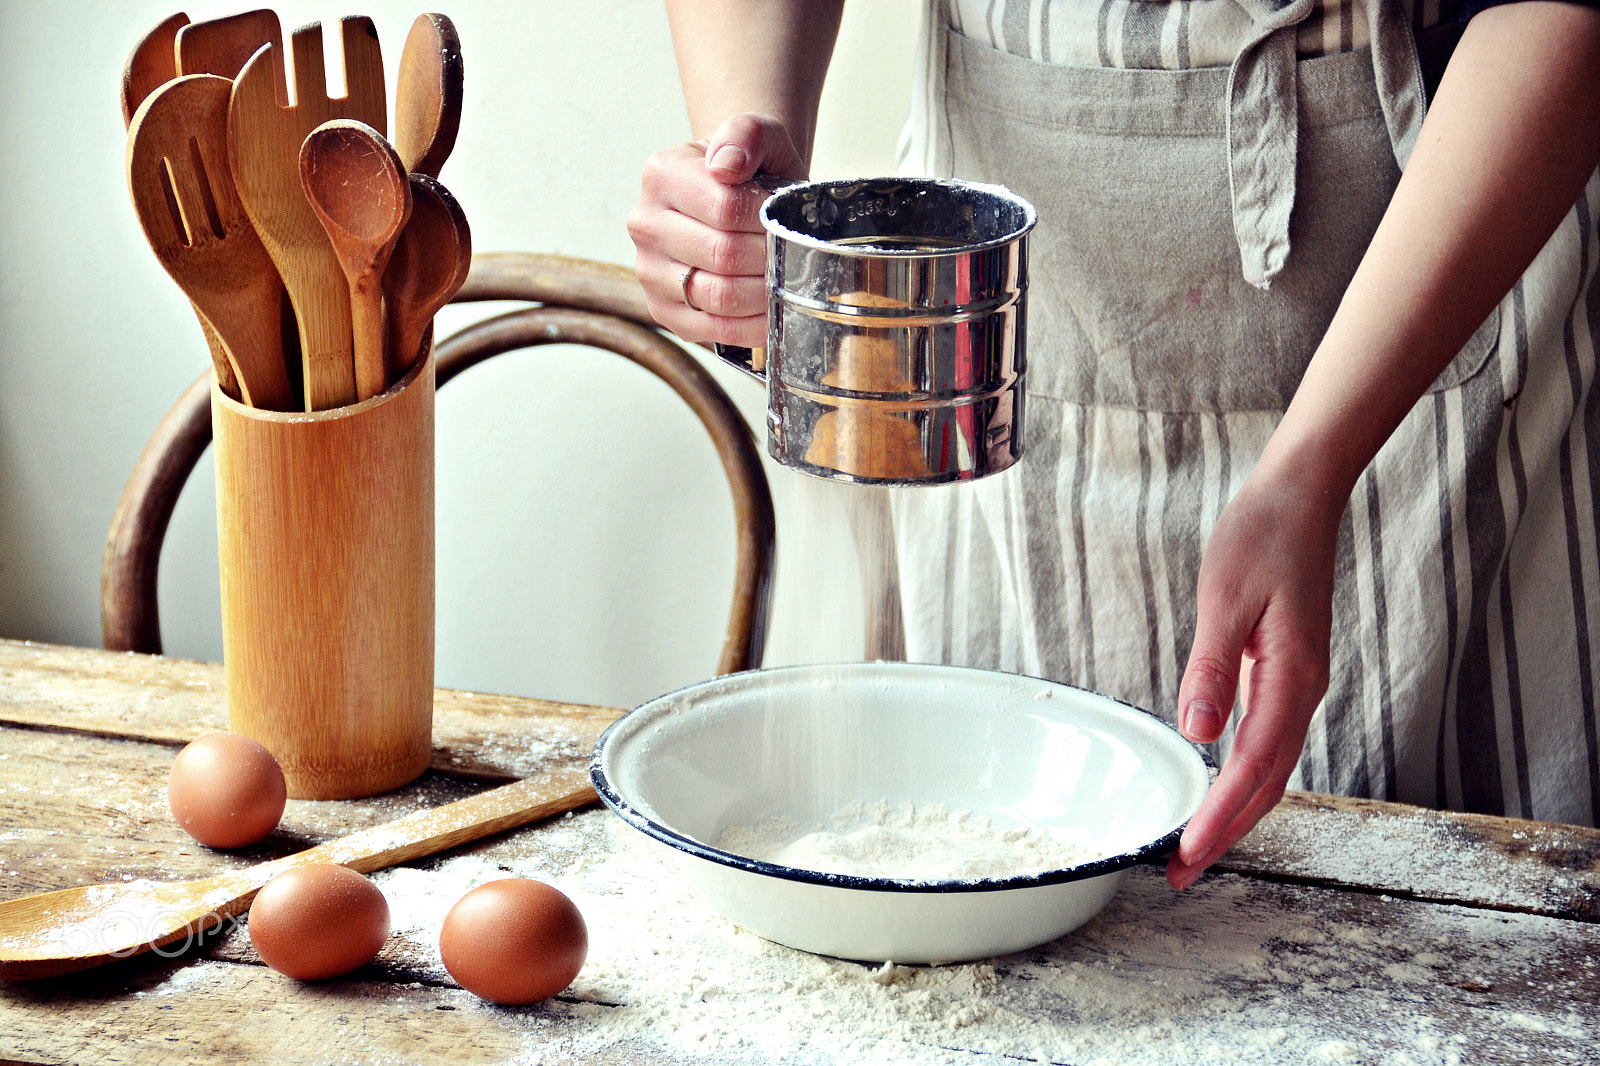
683,283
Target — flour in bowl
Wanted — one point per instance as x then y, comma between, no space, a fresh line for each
907,842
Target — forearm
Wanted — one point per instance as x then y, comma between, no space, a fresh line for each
763,56
1512,135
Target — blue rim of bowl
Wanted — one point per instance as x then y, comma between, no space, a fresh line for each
1145,853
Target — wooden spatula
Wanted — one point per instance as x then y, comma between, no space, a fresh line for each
151,64
425,270
357,187
178,175
223,46
265,137
427,96
75,928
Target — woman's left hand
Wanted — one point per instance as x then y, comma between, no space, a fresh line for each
1262,628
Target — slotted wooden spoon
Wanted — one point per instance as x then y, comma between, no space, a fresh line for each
76,928
427,99
429,264
222,46
265,138
151,65
178,176
357,187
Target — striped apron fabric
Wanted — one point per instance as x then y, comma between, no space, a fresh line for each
1175,301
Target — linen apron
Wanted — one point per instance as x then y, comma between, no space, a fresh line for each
1197,230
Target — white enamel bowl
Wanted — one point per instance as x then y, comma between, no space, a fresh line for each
806,741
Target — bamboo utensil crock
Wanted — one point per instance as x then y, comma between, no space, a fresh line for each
325,518
326,544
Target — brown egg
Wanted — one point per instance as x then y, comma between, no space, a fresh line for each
318,921
514,941
226,790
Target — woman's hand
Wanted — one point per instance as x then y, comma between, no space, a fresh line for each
752,73
1265,606
697,228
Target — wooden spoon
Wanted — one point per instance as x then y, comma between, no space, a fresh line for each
463,241
427,268
427,103
265,139
185,200
223,46
359,190
75,928
151,64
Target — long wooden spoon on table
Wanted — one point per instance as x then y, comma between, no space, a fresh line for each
265,139
186,203
357,187
76,928
427,95
426,269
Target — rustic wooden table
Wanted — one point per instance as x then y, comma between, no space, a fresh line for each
1340,931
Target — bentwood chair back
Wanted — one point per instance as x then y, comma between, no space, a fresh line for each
576,301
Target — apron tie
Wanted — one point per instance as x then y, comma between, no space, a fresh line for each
1263,132
1398,72
1263,119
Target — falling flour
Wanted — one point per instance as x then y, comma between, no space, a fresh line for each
930,842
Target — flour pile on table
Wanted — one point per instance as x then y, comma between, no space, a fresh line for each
906,842
1231,973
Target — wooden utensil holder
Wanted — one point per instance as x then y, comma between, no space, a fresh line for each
325,534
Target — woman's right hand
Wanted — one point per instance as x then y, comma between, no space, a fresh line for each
697,230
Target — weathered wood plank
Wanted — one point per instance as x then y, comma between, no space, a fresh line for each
1443,856
172,701
78,809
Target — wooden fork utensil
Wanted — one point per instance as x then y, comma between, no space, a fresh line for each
265,135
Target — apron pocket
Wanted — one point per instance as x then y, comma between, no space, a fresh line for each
1472,356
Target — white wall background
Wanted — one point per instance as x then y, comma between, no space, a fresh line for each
585,537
